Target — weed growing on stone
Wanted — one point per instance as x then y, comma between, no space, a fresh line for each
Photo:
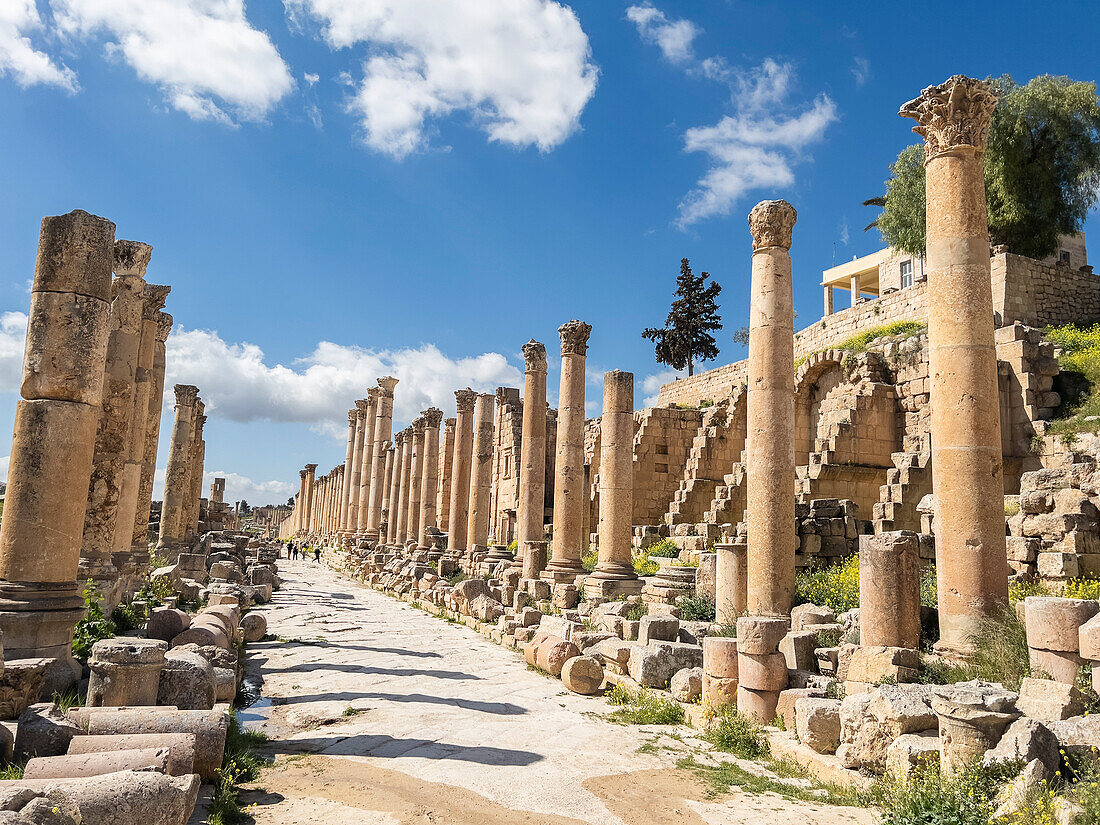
67,700
94,626
1000,655
642,708
240,764
697,607
730,732
927,797
349,711
835,586
12,771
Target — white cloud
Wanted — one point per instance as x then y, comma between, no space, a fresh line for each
755,148
673,37
861,70
13,336
204,54
18,56
4,462
310,78
521,68
651,384
237,488
319,389
845,236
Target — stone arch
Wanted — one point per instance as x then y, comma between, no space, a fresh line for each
815,377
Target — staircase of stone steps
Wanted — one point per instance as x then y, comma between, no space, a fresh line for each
728,504
907,483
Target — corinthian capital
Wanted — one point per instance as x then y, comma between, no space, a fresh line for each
154,296
186,394
465,400
311,469
432,417
534,356
418,426
361,407
387,383
132,258
574,337
373,394
772,224
164,326
955,113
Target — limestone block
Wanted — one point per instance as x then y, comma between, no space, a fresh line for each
57,356
658,628
559,626
529,617
74,766
1055,565
1088,636
656,664
181,747
798,648
202,633
1078,736
870,721
27,807
785,707
718,691
910,751
758,705
125,671
582,674
486,609
817,723
807,614
21,683
875,664
554,653
253,627
1049,701
687,684
1026,739
765,672
187,681
1056,664
124,798
43,731
759,635
720,656
165,623
612,652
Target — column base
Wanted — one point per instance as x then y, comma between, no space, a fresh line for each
38,619
611,588
563,572
499,552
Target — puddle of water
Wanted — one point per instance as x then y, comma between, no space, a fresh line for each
252,707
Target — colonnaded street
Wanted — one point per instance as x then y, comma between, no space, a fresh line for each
378,712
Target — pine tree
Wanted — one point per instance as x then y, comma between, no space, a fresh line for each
686,335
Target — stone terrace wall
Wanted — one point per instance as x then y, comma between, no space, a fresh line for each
1040,294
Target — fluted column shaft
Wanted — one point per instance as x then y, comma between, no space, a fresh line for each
393,520
446,458
349,457
310,517
140,538
176,475
416,480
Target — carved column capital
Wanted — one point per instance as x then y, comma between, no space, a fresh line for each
418,426
186,394
772,224
955,113
353,416
465,400
164,326
311,469
574,337
302,474
534,356
449,425
154,296
387,383
373,395
432,417
132,258
362,406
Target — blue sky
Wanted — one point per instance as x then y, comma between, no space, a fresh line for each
336,189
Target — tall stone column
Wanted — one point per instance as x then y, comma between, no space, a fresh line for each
353,470
389,450
113,430
175,477
394,498
532,479
130,566
404,487
300,504
968,486
416,480
481,474
460,471
770,443
194,476
429,479
349,457
139,548
310,515
446,458
54,439
383,426
366,458
614,575
569,493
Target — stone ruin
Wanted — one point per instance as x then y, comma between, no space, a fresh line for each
894,452
76,530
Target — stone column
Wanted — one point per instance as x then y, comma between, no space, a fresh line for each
383,426
349,457
310,516
430,478
394,503
854,286
614,575
404,487
139,547
971,565
889,590
481,474
113,430
532,458
569,493
730,581
389,450
175,477
460,471
194,476
54,439
770,444
829,300
300,504
369,416
446,456
416,481
353,470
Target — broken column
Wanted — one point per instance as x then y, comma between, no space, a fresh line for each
761,668
175,477
139,541
614,575
416,480
368,414
300,503
770,491
481,474
889,590
383,425
353,470
54,439
731,580
971,562
429,480
460,472
532,479
570,499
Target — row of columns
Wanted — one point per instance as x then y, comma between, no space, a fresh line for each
84,445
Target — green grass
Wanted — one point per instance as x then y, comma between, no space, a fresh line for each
860,341
926,797
644,564
1078,383
635,612
67,700
721,779
730,732
12,771
697,607
1000,655
589,559
642,708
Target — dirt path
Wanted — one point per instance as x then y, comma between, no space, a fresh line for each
380,713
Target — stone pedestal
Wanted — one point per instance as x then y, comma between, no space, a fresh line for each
531,549
770,493
125,672
460,472
568,541
671,582
614,575
730,581
889,590
54,436
481,474
971,563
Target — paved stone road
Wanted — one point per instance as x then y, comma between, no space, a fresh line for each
382,713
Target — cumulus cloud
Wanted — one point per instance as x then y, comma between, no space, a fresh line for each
13,336
237,384
651,384
210,62
18,56
237,488
673,37
522,69
4,462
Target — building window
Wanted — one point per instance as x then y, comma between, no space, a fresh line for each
1063,256
906,274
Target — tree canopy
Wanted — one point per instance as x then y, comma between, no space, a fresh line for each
1042,169
686,335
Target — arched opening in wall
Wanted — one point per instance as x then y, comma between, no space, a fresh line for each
818,391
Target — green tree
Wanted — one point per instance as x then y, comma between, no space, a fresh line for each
686,335
246,508
1042,169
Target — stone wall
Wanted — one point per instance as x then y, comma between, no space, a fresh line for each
1040,294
